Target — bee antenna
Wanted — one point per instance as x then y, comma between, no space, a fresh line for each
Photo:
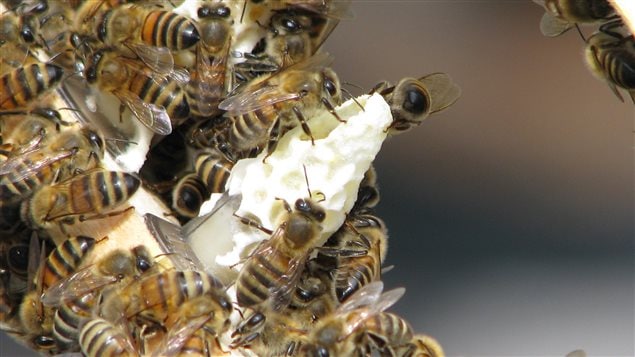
117,140
242,14
353,85
306,178
344,90
577,27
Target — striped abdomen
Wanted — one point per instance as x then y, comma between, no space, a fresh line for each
100,338
167,29
260,275
163,293
619,64
64,260
99,191
188,196
251,129
70,315
355,272
29,172
166,94
389,328
21,86
213,171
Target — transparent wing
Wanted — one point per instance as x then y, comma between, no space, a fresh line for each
171,239
154,117
76,285
332,9
248,101
22,168
552,26
158,59
365,296
179,334
209,82
318,61
180,76
443,92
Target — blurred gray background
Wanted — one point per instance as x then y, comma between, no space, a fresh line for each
511,213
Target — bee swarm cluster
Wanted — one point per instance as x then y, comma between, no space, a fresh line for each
186,178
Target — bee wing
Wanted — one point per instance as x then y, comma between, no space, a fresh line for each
443,92
366,295
334,9
377,303
552,26
75,286
280,296
248,101
154,117
317,61
179,334
209,77
180,76
15,162
158,59
171,239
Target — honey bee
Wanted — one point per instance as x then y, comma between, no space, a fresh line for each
266,109
207,86
358,247
413,100
76,296
154,298
426,346
152,100
345,332
150,34
21,87
29,133
188,326
273,269
562,15
64,260
100,337
188,195
94,194
611,57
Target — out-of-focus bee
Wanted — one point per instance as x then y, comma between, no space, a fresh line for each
188,195
91,195
100,337
360,321
562,15
152,299
426,346
367,193
268,108
164,163
76,296
21,87
413,100
207,86
150,33
153,100
29,133
358,248
611,57
271,272
189,326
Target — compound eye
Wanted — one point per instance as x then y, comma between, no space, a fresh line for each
27,34
322,352
203,12
223,11
19,258
330,86
290,24
416,102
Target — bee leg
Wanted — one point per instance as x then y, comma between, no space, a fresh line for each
253,223
274,135
84,218
305,126
285,203
331,110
